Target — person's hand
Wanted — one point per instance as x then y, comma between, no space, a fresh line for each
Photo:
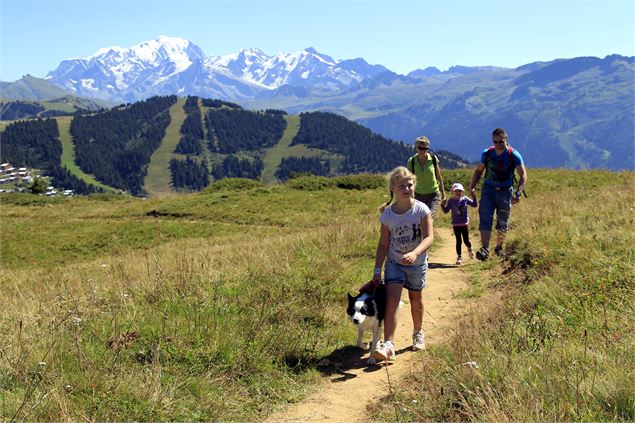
443,201
473,192
409,258
515,200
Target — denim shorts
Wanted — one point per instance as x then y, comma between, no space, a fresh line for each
413,278
493,200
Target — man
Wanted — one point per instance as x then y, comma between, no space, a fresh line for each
499,163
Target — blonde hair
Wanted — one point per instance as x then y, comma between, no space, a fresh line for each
396,175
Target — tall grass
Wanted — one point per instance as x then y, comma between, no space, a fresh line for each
219,305
201,325
559,347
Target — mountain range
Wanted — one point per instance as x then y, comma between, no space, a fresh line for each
575,113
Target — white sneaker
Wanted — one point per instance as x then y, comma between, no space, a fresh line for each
386,352
458,261
418,341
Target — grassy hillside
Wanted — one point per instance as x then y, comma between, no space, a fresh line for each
193,307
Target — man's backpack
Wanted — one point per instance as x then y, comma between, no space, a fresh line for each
411,162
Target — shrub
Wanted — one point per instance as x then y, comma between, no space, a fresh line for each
310,182
232,184
360,181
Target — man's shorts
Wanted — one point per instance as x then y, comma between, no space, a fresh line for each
495,200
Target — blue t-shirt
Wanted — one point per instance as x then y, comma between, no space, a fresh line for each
499,170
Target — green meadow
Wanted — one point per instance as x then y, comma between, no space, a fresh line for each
219,305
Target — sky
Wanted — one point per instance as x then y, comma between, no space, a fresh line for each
402,35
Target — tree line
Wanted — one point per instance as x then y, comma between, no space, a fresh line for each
363,150
231,131
292,166
115,146
35,143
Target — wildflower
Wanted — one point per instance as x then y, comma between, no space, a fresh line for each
68,388
104,265
472,364
41,364
76,320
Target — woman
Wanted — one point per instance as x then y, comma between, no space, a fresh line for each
425,166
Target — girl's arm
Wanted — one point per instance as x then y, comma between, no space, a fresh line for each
427,237
473,201
445,206
382,250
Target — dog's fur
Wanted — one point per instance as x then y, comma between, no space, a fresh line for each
367,313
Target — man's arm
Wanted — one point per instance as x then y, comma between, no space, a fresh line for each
478,172
522,181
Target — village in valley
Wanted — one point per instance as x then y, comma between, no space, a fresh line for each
21,179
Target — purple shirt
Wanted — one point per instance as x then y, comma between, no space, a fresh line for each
459,209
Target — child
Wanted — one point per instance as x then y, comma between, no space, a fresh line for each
460,219
406,236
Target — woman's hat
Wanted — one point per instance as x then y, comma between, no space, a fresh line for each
458,186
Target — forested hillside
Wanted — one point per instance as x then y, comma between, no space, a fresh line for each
116,145
35,143
217,140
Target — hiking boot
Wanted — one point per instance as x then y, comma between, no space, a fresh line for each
498,250
385,352
482,254
470,252
458,261
418,341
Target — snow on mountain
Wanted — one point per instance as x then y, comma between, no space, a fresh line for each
169,65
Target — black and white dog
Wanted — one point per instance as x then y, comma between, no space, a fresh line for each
366,311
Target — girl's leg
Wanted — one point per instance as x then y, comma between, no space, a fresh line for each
466,237
457,236
416,309
393,295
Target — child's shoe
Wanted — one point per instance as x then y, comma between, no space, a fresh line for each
482,254
385,352
471,253
418,341
458,261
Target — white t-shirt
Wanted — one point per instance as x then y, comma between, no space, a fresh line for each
405,231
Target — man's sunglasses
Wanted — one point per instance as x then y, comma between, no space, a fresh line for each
419,147
499,142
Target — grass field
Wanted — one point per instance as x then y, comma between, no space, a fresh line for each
193,306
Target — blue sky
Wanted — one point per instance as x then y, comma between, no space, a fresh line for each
36,35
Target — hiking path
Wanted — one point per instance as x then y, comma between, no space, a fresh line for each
351,386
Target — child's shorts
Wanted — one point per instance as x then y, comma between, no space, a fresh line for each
413,278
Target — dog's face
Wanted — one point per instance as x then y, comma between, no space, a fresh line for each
360,307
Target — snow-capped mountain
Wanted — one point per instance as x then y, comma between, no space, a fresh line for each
169,65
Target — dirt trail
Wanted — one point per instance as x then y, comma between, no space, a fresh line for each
352,385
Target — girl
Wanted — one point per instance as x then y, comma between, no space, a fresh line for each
406,236
460,219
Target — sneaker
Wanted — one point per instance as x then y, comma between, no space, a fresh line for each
470,252
385,352
482,254
418,341
498,250
458,261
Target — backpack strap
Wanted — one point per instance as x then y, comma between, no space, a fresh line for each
411,164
